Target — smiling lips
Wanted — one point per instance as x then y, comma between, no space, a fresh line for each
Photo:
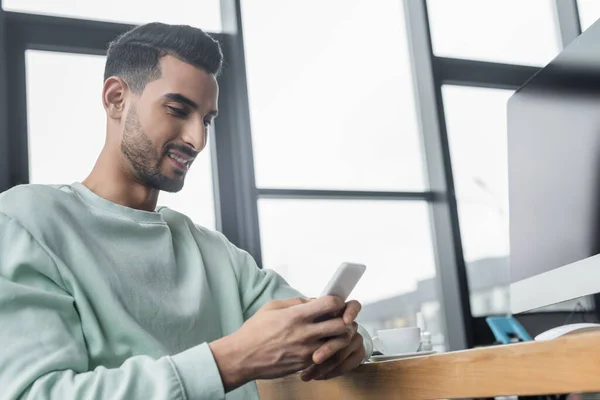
180,161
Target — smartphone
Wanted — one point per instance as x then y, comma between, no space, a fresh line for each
342,283
344,280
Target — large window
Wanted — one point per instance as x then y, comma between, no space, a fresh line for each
331,101
332,108
66,126
508,31
205,14
306,239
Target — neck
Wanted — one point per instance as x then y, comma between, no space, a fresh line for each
111,180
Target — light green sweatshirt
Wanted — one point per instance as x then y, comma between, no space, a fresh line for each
101,301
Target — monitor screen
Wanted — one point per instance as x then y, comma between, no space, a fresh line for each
554,179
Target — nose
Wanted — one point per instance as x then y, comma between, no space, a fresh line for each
195,135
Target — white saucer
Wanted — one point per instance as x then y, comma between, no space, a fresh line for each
399,356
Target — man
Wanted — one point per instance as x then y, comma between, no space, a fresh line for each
105,296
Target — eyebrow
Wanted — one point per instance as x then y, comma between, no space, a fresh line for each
187,101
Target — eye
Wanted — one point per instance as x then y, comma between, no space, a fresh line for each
178,112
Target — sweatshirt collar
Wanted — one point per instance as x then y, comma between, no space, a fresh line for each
131,213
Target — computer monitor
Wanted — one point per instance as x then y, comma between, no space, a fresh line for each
554,179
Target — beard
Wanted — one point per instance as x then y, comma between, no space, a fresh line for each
139,151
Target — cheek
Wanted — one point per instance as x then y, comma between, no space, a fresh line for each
163,130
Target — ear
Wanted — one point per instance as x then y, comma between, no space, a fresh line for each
113,96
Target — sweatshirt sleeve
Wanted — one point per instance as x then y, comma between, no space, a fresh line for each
43,353
259,286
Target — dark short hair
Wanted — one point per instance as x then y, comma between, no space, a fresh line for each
134,56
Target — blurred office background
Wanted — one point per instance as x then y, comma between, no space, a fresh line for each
350,130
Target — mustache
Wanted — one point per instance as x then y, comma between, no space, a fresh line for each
183,149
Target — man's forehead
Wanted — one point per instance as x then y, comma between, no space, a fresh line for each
182,78
179,73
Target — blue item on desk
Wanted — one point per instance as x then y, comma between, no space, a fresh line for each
506,329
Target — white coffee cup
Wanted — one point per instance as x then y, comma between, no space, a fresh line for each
399,340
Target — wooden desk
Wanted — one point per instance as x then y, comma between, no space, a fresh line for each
566,365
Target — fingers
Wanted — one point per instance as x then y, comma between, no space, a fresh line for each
350,363
335,344
317,370
320,306
327,329
343,361
352,309
279,304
